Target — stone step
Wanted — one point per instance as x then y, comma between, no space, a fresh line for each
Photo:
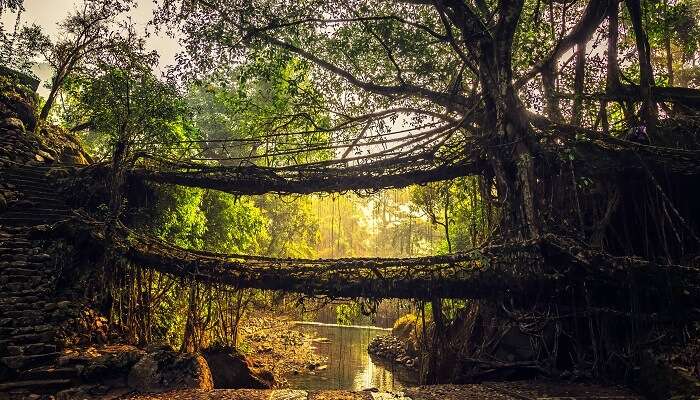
14,235
8,300
28,200
45,189
11,291
34,279
18,181
23,314
23,322
43,194
36,219
33,260
21,307
22,288
33,204
28,338
11,251
41,199
31,361
51,372
37,211
21,261
22,169
10,230
31,349
17,242
25,170
34,268
45,329
32,173
32,221
37,386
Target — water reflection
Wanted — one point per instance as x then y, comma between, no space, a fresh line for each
349,365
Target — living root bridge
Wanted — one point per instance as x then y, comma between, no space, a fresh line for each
254,180
527,271
596,155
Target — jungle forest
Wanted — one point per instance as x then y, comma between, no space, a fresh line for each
349,199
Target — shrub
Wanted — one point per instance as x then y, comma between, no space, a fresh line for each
404,326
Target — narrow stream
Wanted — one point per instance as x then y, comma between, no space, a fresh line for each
349,366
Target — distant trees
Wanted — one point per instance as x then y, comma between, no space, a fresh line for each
21,44
87,35
120,97
252,112
12,5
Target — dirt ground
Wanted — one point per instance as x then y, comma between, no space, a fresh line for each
529,390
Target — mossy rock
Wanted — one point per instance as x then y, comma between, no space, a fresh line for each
404,326
30,81
20,100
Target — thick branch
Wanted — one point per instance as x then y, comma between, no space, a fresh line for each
593,16
453,101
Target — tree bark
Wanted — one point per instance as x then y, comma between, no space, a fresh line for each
550,93
579,82
649,112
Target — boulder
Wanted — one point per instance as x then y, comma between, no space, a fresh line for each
23,108
73,156
164,370
12,123
111,365
230,369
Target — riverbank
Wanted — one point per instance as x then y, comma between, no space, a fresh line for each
273,344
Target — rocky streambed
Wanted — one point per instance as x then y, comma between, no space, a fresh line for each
393,350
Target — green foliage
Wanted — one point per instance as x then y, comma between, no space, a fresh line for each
22,46
678,20
121,99
457,208
177,217
398,228
12,90
405,326
292,226
343,226
255,107
233,225
348,314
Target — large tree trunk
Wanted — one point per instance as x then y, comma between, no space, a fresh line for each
512,162
50,99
